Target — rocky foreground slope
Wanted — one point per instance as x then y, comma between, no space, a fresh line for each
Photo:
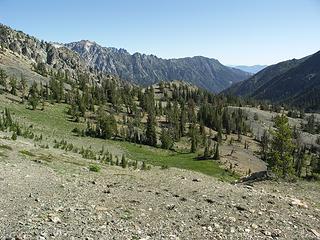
51,194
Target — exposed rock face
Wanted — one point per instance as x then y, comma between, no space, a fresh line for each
144,69
55,57
89,57
40,51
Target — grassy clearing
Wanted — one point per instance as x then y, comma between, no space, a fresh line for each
53,123
187,161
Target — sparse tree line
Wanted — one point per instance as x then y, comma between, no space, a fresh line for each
161,122
98,103
103,156
7,124
285,154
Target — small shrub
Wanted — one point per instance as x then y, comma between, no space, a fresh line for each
94,168
144,166
135,165
124,162
14,136
6,147
163,167
27,153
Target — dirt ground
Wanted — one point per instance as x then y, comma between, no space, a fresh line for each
51,194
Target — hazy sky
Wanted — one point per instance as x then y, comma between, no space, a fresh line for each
232,31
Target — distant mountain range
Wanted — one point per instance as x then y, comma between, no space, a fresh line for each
250,69
88,57
295,82
145,70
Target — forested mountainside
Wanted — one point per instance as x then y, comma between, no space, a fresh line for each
145,70
294,82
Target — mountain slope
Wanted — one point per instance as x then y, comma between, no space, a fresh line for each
20,53
144,69
294,82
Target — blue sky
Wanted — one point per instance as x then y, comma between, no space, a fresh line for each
232,31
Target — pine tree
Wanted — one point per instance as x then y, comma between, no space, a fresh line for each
151,136
23,87
264,143
207,152
13,85
216,155
106,125
300,161
166,139
280,157
3,78
124,162
194,137
183,120
33,96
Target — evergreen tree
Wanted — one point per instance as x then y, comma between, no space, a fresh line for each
216,155
3,78
207,152
33,96
264,143
183,120
151,136
194,137
280,157
13,85
124,162
300,161
23,87
41,69
106,125
166,139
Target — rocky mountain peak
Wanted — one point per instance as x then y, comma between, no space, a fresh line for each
146,70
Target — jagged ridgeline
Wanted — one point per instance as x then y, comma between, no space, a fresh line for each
22,54
142,69
100,62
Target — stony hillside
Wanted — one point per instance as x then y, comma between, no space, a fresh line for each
21,53
144,69
51,194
